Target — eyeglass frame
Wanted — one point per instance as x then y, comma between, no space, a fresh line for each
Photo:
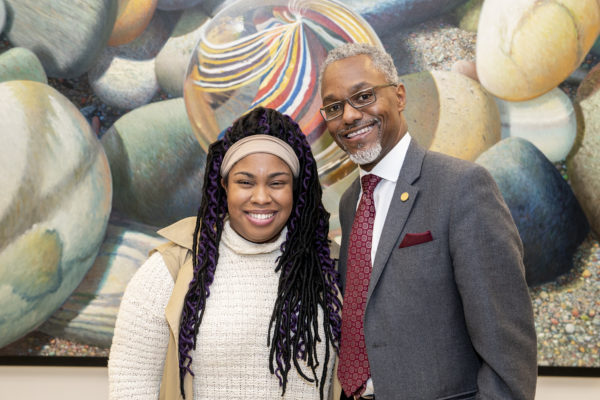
347,100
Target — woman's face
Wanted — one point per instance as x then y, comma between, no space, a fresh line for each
259,196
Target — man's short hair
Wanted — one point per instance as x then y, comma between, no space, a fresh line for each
382,61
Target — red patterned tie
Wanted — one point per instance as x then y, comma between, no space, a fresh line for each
353,369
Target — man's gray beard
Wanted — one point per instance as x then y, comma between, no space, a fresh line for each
366,156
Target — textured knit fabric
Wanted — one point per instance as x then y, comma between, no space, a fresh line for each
141,335
231,360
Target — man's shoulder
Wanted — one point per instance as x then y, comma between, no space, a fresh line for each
436,157
450,174
443,164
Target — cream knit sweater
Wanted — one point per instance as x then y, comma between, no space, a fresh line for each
231,360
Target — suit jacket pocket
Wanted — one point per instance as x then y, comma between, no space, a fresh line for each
413,239
470,395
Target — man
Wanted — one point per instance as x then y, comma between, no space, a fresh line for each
431,263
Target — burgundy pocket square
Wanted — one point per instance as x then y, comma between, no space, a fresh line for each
412,239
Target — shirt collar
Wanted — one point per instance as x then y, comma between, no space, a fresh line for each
389,166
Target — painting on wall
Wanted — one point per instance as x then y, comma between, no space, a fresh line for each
107,112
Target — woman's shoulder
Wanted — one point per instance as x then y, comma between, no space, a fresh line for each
178,250
152,277
181,232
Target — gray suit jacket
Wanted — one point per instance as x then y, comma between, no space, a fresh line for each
450,318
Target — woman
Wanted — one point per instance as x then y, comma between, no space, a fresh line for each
244,297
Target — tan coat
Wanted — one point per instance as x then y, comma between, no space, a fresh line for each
178,256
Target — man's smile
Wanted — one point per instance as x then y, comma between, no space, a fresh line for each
358,132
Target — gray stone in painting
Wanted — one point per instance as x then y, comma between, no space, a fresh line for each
56,199
124,76
212,7
156,163
583,162
67,36
387,16
169,5
173,60
20,63
2,15
549,218
596,47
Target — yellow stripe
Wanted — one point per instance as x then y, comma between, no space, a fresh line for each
288,71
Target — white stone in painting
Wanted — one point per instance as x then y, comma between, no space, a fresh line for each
174,58
547,121
123,76
450,113
67,36
525,48
56,198
89,315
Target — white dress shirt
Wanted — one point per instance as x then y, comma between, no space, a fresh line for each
387,168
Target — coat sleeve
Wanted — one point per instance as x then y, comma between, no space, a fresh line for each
139,345
487,256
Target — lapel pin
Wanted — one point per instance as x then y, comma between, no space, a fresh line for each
404,196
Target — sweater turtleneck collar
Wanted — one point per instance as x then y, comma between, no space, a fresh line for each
239,245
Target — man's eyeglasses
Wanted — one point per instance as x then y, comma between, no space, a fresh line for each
357,100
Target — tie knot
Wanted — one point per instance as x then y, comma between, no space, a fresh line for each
369,182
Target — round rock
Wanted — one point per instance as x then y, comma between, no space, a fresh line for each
212,7
123,76
68,39
526,49
547,121
596,47
174,58
133,17
570,328
89,315
55,203
583,163
169,5
550,221
450,113
386,16
156,163
20,63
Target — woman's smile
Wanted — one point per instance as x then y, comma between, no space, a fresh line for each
259,196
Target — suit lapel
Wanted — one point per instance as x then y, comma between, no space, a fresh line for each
347,213
398,212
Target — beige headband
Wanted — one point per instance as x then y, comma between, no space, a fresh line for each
260,144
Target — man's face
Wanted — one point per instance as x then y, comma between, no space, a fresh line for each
367,134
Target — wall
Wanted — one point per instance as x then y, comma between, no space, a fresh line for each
75,383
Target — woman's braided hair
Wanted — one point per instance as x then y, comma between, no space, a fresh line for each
307,276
